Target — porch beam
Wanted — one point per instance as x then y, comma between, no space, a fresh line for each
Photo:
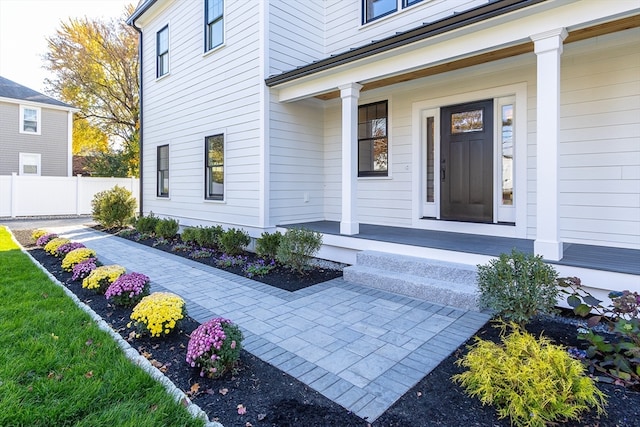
548,48
349,93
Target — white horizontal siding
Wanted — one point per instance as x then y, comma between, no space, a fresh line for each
204,94
600,141
296,34
344,29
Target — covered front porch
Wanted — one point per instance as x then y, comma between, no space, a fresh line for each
599,267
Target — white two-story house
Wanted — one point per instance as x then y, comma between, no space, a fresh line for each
405,126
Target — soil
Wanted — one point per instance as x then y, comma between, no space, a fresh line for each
273,398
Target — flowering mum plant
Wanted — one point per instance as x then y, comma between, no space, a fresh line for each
102,277
214,347
76,256
45,238
231,261
258,268
83,268
158,313
36,234
128,289
68,247
52,245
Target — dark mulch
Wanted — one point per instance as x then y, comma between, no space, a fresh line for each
279,277
273,398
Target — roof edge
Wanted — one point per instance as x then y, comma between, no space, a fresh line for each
456,21
140,11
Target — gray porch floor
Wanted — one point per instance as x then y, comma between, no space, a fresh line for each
604,258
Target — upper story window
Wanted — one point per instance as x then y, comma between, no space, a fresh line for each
163,171
29,120
373,144
214,167
374,9
162,49
214,23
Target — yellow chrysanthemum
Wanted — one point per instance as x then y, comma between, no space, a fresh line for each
36,234
76,256
53,245
100,278
159,313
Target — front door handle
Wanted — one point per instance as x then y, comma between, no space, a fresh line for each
443,174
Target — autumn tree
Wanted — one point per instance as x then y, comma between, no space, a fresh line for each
95,64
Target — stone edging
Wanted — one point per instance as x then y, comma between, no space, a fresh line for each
131,353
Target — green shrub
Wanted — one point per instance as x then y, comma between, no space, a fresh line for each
146,224
267,245
167,228
233,241
189,235
207,237
113,208
297,247
518,286
532,381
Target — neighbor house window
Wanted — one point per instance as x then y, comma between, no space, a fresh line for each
214,14
163,171
29,120
29,164
162,49
373,144
214,167
374,9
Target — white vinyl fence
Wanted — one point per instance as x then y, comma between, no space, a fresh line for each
55,195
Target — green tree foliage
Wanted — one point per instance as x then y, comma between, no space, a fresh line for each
95,64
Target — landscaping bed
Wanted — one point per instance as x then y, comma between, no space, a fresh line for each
273,398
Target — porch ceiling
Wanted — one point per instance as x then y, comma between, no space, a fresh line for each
494,55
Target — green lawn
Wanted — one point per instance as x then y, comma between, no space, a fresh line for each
58,369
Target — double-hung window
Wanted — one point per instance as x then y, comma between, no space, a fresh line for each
374,9
29,119
162,51
373,144
163,171
214,23
214,167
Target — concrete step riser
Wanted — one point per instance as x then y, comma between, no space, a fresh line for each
413,286
456,273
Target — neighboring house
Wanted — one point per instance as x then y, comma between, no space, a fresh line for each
35,132
517,119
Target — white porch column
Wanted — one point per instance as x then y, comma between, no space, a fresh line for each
349,94
548,48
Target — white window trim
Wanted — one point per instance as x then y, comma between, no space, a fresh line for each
400,8
38,120
519,91
207,51
21,164
167,197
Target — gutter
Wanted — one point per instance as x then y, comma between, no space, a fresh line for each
131,22
139,12
428,30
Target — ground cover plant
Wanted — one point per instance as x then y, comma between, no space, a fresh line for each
254,393
58,368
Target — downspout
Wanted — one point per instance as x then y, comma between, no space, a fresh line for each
140,129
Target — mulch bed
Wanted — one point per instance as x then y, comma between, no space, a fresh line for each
273,398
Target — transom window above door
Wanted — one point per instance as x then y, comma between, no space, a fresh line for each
374,9
373,143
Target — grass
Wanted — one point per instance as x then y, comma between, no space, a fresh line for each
57,367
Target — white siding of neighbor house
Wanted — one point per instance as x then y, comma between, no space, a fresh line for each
344,27
599,140
203,95
296,34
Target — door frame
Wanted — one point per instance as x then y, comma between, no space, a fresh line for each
426,215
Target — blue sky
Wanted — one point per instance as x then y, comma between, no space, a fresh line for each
26,24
